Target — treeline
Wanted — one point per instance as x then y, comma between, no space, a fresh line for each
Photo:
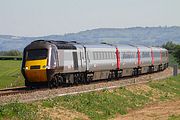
173,49
11,53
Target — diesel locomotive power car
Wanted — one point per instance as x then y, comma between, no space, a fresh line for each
59,62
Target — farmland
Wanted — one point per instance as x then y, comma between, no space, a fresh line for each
10,75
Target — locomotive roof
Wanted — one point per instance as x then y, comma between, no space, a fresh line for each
58,44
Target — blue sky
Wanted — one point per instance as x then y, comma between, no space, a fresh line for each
46,17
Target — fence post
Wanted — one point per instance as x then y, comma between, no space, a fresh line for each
175,70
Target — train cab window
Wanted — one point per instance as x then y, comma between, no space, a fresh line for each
37,54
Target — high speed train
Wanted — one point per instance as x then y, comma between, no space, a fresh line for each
59,62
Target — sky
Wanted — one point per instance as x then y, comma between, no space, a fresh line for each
47,17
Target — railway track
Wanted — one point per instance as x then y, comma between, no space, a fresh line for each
19,90
6,93
14,91
25,90
94,86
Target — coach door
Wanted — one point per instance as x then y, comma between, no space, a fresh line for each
82,60
54,58
75,59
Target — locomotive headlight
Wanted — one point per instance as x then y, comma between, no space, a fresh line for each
26,68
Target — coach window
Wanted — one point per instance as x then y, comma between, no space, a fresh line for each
107,55
163,54
156,54
98,56
114,55
110,55
94,55
102,55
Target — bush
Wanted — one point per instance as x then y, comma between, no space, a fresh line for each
173,49
11,53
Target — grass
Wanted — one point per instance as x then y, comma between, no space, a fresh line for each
103,104
100,105
106,104
10,75
169,88
174,117
18,111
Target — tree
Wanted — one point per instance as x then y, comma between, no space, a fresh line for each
173,49
177,53
170,46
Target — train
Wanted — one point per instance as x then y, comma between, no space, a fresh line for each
57,63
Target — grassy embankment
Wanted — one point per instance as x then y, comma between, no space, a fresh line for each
10,75
103,104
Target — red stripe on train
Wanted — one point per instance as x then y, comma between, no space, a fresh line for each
118,58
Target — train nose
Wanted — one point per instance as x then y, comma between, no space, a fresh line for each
35,70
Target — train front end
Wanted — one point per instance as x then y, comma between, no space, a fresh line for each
36,63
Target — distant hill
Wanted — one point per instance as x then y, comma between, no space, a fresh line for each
155,36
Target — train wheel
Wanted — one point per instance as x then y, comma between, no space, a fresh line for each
89,79
54,82
76,79
60,80
135,72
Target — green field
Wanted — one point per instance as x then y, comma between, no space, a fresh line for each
105,104
10,75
